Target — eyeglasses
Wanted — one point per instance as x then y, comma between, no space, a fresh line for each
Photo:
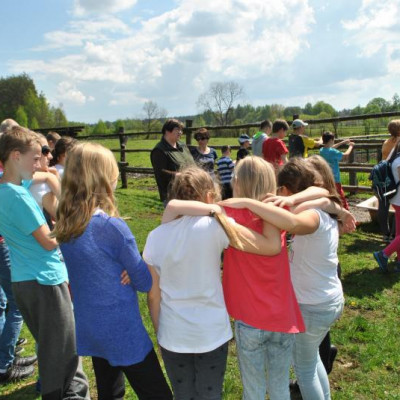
46,150
202,138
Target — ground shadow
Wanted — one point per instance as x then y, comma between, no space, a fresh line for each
27,391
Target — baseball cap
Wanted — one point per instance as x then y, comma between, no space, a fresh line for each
244,138
297,123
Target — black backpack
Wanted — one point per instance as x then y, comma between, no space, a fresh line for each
383,183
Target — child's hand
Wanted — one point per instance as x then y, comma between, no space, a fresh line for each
280,201
125,279
348,222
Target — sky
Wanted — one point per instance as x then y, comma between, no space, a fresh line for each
103,59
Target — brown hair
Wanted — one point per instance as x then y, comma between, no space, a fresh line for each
296,175
170,125
19,139
53,136
193,183
254,178
64,145
90,171
202,132
279,124
394,127
325,172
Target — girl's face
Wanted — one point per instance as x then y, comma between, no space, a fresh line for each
46,156
28,162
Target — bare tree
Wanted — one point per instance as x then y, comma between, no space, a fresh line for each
152,113
220,99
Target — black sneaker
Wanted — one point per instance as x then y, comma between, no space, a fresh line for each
21,341
18,350
16,373
24,361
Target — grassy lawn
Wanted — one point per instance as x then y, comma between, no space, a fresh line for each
367,336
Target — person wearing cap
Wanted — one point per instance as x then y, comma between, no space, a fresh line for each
260,137
274,149
169,156
300,143
245,143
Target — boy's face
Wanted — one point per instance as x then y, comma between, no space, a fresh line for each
281,133
28,162
246,144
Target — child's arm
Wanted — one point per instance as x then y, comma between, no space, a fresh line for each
50,204
338,144
154,298
50,179
346,154
253,242
311,193
41,234
176,208
301,224
346,218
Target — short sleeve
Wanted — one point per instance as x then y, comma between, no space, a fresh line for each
27,215
148,252
282,147
338,154
310,143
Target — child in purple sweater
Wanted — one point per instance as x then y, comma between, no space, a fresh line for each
97,247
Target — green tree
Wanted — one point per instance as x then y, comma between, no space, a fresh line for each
100,128
321,106
34,125
21,117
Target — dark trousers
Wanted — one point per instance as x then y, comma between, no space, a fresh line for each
197,376
146,379
47,311
226,191
384,218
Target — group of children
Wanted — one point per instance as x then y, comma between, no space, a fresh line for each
283,303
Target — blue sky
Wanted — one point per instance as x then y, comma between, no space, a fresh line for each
106,58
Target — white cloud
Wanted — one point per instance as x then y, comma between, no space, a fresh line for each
82,7
67,92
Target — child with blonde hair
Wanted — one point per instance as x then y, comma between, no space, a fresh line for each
186,302
257,289
97,247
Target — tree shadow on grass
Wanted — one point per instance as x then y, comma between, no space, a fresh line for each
368,282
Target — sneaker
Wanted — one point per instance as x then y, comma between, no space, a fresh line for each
16,373
18,350
21,341
381,260
333,354
24,361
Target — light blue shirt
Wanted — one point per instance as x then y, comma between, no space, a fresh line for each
332,156
20,216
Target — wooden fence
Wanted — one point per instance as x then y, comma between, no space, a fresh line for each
367,148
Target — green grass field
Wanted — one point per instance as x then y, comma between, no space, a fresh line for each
367,336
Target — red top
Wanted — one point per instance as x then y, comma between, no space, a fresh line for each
258,289
273,148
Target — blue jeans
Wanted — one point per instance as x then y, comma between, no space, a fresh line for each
310,371
10,323
264,362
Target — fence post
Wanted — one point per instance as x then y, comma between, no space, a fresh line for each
122,164
352,174
189,124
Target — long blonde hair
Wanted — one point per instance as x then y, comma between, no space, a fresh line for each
87,184
194,183
254,178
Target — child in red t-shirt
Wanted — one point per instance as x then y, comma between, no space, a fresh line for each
274,149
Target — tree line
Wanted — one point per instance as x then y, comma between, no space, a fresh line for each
221,104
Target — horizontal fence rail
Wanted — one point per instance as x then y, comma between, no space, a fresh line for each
367,147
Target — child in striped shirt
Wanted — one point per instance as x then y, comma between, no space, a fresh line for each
225,167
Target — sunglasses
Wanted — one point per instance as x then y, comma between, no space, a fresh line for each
46,150
202,138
